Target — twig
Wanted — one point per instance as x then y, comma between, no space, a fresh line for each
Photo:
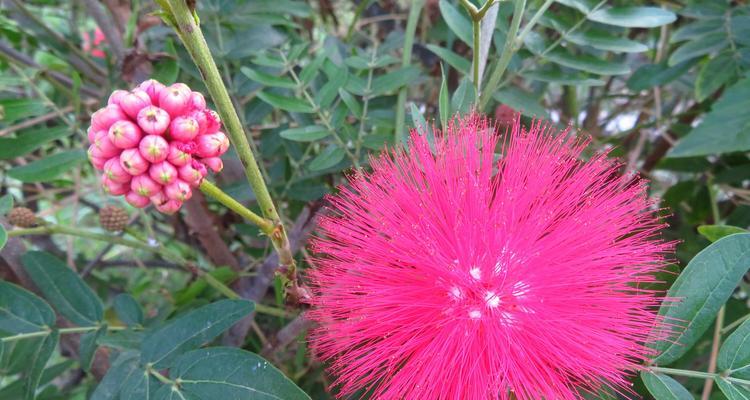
411,28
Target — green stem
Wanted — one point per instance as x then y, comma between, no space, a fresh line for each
734,324
476,28
228,201
714,204
506,55
530,25
715,343
683,372
62,331
411,29
187,27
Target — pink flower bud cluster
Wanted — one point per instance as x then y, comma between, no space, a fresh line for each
155,144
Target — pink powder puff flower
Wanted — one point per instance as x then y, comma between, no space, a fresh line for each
132,161
94,47
113,188
144,185
125,134
214,163
115,172
183,129
211,144
178,190
443,274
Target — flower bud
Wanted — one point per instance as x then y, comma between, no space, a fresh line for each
97,162
175,99
183,129
116,96
132,161
178,190
115,172
144,185
159,198
134,101
153,120
197,101
113,188
214,163
94,152
213,122
91,134
102,119
104,145
190,174
125,134
211,145
164,173
136,200
201,117
154,148
176,156
170,206
153,88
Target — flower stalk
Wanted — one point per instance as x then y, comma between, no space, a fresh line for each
185,22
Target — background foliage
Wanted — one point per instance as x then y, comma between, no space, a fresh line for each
321,86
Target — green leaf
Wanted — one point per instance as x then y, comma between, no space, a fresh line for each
6,203
125,365
305,133
290,104
522,101
733,392
12,110
663,387
29,140
461,64
716,232
394,80
699,47
88,346
268,79
714,74
650,75
697,29
418,119
128,310
15,389
191,330
231,373
351,103
633,17
734,355
3,237
140,385
724,129
457,22
583,6
38,361
63,288
49,167
122,340
562,78
329,157
167,69
702,288
587,63
604,41
443,105
464,96
23,312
